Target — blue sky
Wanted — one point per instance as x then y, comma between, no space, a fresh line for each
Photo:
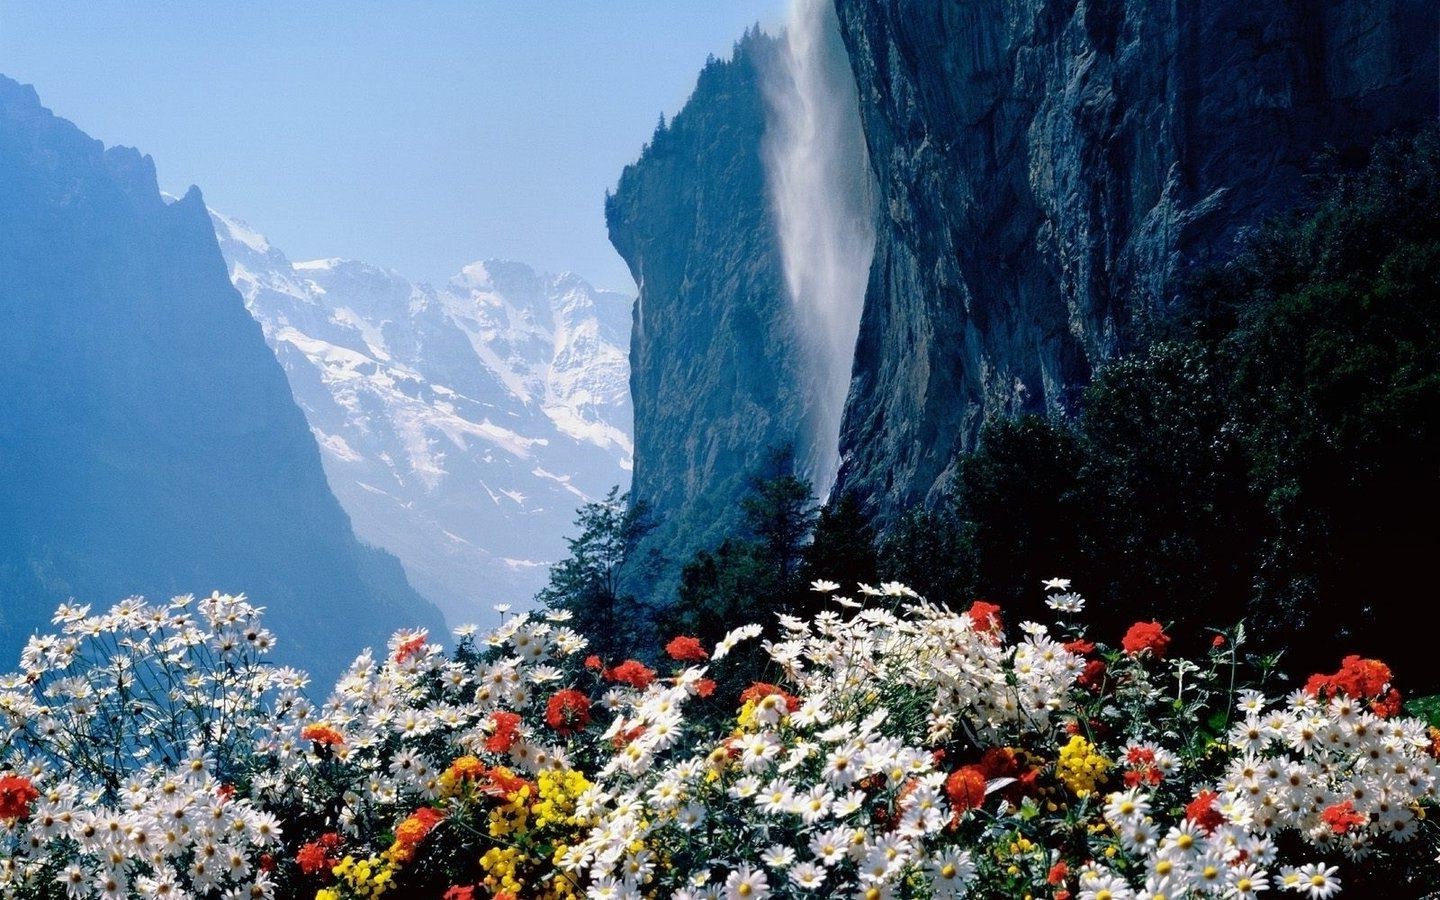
416,135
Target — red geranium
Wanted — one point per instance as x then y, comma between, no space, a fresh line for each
705,687
1358,678
1058,873
1093,675
1080,647
762,689
456,892
985,617
593,662
16,795
409,648
318,855
631,672
1342,817
504,735
686,649
1144,636
1202,811
568,712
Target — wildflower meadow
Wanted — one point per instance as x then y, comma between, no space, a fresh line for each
889,746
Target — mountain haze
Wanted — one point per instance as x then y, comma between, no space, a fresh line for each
460,426
149,442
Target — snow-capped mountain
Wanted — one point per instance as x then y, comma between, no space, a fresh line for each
461,426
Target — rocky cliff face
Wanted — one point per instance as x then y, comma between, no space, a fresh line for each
713,354
461,426
1051,171
149,443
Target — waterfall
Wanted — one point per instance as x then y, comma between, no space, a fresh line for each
819,183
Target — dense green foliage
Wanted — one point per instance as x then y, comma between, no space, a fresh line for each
1280,460
588,583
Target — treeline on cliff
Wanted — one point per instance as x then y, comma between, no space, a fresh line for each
1272,457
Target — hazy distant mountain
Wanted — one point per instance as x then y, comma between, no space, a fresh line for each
460,426
149,443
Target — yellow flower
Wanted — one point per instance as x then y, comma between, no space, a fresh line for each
1081,767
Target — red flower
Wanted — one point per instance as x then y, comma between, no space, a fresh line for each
762,689
1388,705
966,789
318,855
593,662
504,735
409,648
323,735
1144,636
1058,873
1342,817
631,672
1093,675
686,649
1080,647
1202,811
705,687
568,712
456,892
267,862
985,617
16,795
1218,641
1358,678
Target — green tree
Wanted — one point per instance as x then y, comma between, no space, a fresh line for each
841,549
588,582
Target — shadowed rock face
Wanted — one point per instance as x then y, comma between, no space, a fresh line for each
1051,172
712,355
149,443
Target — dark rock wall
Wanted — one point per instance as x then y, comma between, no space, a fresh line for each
1051,171
712,354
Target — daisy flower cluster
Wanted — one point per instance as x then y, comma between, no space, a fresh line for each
128,740
896,747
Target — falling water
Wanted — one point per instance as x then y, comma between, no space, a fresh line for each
819,181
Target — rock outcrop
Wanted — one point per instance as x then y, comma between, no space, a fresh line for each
1052,172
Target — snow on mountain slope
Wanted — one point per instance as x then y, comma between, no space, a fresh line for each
462,426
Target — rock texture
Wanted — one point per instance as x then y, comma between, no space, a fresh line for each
149,443
712,356
460,426
1051,171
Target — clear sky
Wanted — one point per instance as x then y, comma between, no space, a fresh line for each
414,135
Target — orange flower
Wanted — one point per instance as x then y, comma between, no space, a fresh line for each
466,767
16,795
966,789
568,712
686,649
322,735
1144,636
